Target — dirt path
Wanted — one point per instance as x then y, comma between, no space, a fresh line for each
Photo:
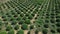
15,31
33,18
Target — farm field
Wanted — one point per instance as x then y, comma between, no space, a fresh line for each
29,16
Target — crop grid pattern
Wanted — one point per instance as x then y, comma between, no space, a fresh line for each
17,16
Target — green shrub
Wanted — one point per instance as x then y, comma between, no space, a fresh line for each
3,16
1,23
8,28
18,18
22,14
32,14
58,30
27,14
5,19
3,32
31,26
6,23
58,24
24,26
0,27
20,32
46,25
30,17
18,12
39,21
45,31
57,20
21,21
11,32
12,18
16,15
27,21
16,27
38,1
53,31
8,15
24,18
13,22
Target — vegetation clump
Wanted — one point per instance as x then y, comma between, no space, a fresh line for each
20,32
24,26
3,32
11,32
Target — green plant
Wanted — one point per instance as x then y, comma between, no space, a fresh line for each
58,24
31,26
3,32
16,15
39,21
33,14
20,32
1,23
24,18
27,14
24,26
8,15
12,18
45,31
0,27
11,32
22,14
46,25
38,1
18,18
8,28
16,27
14,22
3,16
18,12
21,22
46,21
6,23
5,19
57,20
30,17
58,30
13,13
27,21
53,31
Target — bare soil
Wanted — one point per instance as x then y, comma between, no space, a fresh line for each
39,32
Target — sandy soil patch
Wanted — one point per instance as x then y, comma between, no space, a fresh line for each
32,31
39,32
33,18
25,31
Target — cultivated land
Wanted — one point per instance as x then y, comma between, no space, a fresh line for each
29,16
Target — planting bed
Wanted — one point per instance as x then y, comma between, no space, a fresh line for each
30,17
